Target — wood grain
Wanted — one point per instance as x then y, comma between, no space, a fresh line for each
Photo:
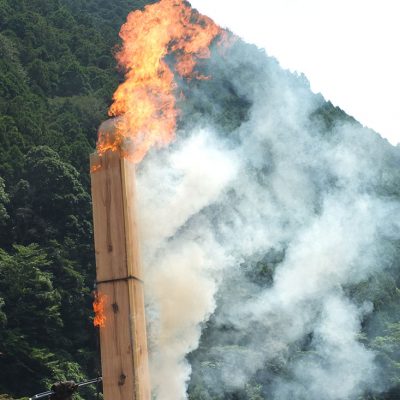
123,340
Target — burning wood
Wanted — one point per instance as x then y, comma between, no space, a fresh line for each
145,115
98,308
120,303
146,102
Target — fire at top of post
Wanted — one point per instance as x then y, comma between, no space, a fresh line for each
144,105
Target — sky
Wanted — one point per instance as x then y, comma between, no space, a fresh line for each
348,49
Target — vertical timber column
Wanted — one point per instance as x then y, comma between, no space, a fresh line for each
123,339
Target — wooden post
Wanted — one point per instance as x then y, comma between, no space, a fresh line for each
123,338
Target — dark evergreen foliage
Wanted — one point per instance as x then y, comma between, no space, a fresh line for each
57,76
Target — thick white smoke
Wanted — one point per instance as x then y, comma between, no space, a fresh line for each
181,264
210,204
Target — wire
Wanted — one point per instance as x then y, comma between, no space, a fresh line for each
49,393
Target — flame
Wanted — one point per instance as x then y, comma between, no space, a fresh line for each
145,101
95,168
98,307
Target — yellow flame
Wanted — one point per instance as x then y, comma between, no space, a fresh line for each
146,99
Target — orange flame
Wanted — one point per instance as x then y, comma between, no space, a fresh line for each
98,307
146,100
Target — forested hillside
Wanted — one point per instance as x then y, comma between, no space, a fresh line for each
57,76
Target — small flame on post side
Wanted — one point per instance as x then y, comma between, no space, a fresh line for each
145,102
98,307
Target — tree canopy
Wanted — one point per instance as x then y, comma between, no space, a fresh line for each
57,76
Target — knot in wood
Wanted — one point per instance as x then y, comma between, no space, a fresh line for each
122,379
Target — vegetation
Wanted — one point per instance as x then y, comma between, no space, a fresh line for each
57,76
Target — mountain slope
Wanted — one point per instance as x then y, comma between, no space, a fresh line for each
57,75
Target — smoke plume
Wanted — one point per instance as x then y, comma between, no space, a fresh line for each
257,235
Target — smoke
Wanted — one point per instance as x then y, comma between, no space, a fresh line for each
257,237
181,263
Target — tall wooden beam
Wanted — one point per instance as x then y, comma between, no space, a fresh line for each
123,338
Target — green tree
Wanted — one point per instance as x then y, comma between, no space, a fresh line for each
28,297
58,206
4,201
